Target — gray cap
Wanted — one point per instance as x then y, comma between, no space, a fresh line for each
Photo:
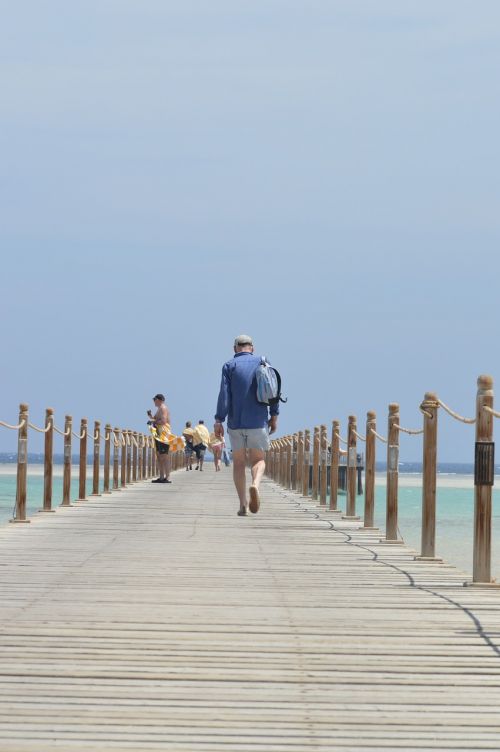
243,339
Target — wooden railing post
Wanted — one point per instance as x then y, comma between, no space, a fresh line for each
116,458
483,483
289,455
283,460
48,460
323,465
429,478
22,465
279,464
270,462
155,457
369,516
352,461
68,427
293,469
97,458
123,468
82,480
135,454
391,518
144,456
300,461
315,465
128,438
334,466
150,458
107,458
307,461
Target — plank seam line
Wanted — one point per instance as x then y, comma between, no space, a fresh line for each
377,560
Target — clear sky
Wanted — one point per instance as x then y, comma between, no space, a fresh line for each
322,175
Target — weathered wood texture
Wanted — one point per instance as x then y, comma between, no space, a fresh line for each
156,619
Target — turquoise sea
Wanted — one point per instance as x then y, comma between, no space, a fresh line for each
455,508
35,488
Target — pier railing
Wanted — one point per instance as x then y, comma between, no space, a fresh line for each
127,457
311,467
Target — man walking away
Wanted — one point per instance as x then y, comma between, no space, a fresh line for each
249,421
201,439
161,421
188,449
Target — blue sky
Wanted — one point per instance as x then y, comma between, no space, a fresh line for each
321,175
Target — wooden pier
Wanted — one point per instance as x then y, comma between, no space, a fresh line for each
156,619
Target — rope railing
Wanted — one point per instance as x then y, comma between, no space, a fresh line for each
490,410
132,466
409,431
62,433
378,436
13,428
484,472
469,421
40,430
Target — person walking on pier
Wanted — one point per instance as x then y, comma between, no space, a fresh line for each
161,421
216,446
188,449
249,422
201,440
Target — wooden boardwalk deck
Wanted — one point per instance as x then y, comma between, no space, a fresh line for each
156,619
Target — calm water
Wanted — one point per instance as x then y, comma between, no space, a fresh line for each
35,488
455,509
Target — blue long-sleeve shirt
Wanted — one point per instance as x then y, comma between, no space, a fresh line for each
238,394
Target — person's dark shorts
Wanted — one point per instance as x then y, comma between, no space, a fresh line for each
161,448
200,450
188,449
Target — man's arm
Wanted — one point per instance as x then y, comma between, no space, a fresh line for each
273,419
222,403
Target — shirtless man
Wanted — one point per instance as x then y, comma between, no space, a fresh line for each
159,419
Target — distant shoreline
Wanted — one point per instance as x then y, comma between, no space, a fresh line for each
407,468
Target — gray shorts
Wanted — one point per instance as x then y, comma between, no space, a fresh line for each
249,438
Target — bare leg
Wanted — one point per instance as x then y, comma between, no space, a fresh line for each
257,465
217,458
202,459
239,475
163,467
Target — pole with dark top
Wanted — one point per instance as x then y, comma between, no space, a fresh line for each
67,459
22,465
48,460
82,479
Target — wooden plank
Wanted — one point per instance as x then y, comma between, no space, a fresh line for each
157,619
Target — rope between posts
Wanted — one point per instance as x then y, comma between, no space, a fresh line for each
79,435
62,433
361,438
339,437
411,431
424,412
490,410
13,428
381,438
40,430
455,415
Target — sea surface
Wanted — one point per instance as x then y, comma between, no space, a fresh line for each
455,506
